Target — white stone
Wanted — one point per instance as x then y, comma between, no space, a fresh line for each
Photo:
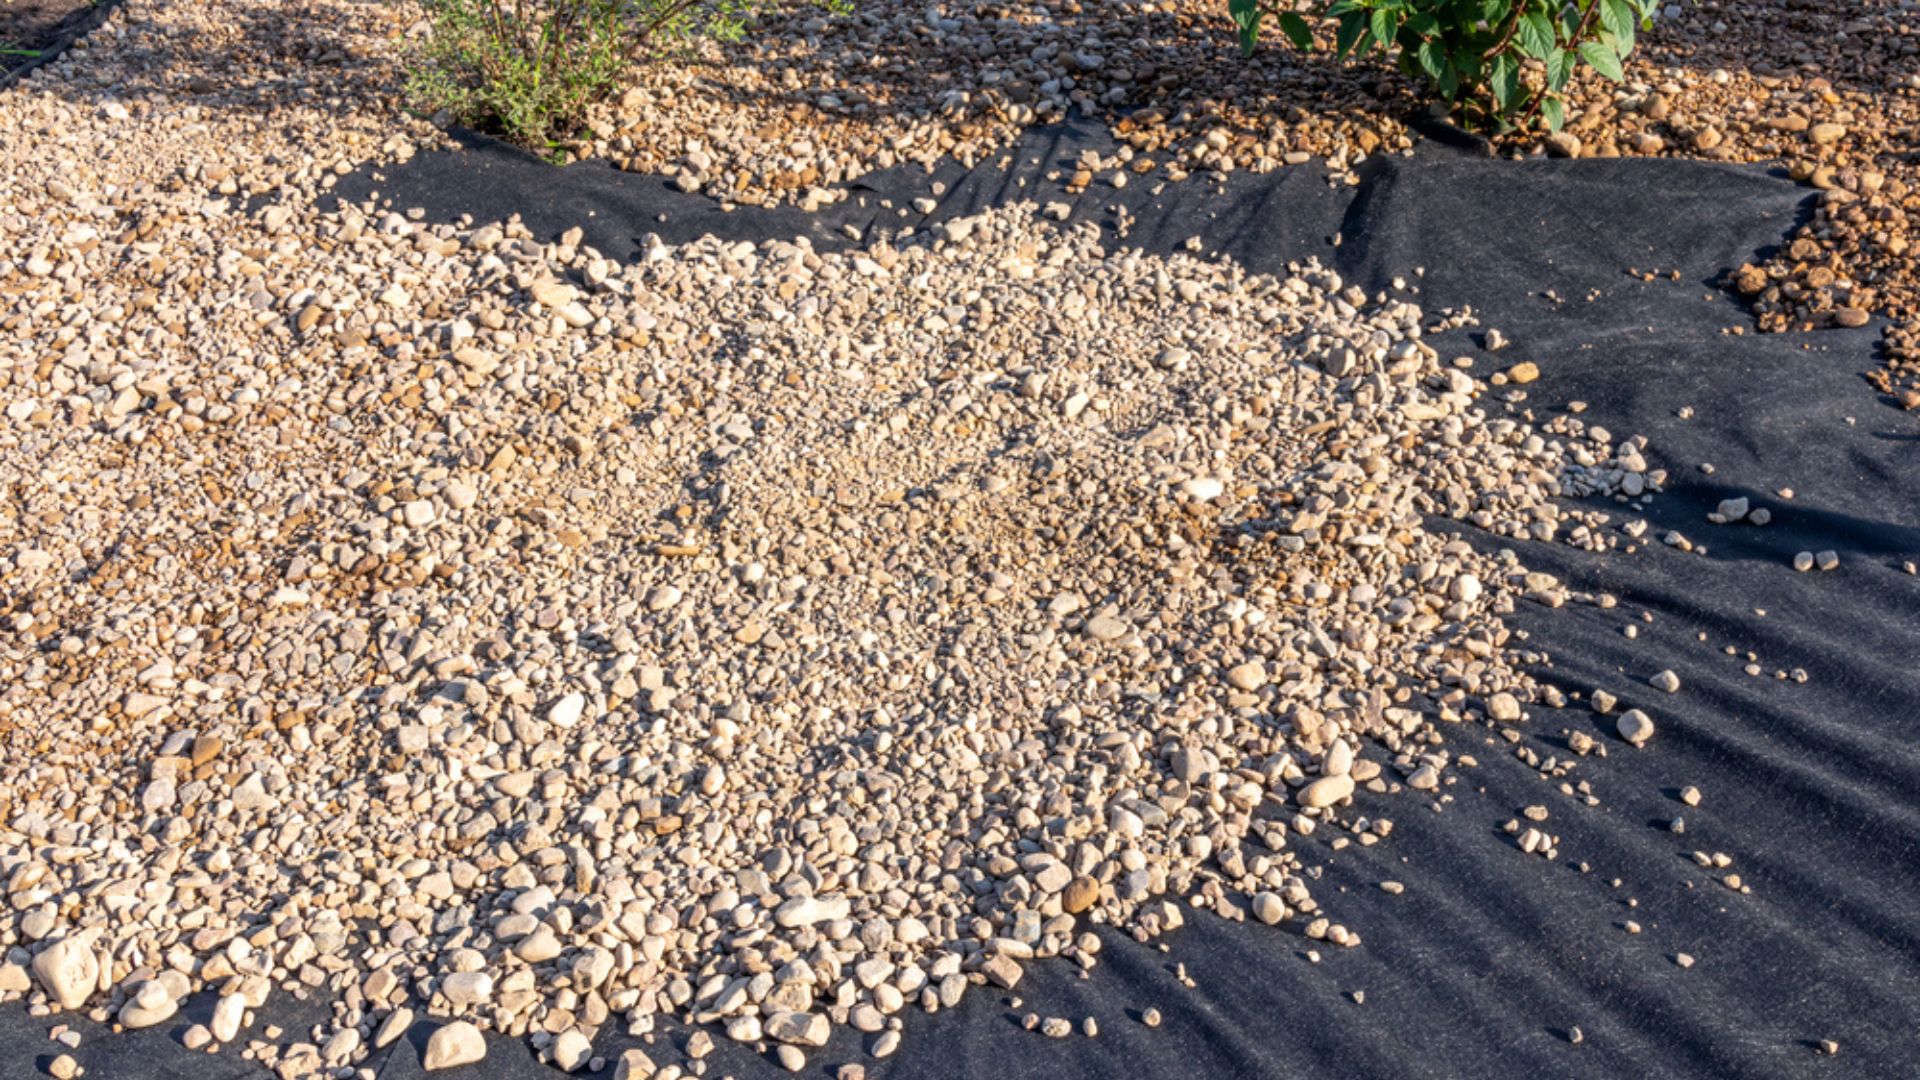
1204,488
1635,727
452,1045
634,1064
1249,676
1268,908
1325,791
800,1029
571,1050
68,969
151,1004
809,910
228,1014
567,711
467,988
394,1026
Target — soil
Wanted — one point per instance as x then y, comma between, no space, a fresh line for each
29,28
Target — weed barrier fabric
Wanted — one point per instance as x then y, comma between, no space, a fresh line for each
1492,958
81,23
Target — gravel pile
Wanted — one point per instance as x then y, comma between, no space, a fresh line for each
1900,378
439,622
810,103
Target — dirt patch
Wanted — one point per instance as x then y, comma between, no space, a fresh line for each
31,30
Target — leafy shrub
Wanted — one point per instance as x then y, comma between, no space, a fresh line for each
529,69
1506,61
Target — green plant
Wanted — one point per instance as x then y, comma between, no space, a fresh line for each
530,69
1507,62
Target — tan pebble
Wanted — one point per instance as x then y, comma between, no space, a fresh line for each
1635,727
452,1045
1325,792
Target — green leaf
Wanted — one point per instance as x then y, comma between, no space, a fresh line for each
1432,58
1604,60
1555,113
1535,34
1246,17
1296,30
1614,15
1559,69
1353,25
1384,26
1505,81
1448,82
1616,25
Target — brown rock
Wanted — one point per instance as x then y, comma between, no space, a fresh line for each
1004,971
1826,134
1079,895
205,749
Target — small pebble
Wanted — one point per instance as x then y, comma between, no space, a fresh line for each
1635,727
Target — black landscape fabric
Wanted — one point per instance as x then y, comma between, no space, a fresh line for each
1491,959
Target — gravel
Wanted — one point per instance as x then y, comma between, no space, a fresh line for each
810,103
439,621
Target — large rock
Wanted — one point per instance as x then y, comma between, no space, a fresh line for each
468,987
394,1026
634,1064
801,1029
453,1045
228,1014
1080,894
1325,792
151,1004
808,910
68,969
572,1050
